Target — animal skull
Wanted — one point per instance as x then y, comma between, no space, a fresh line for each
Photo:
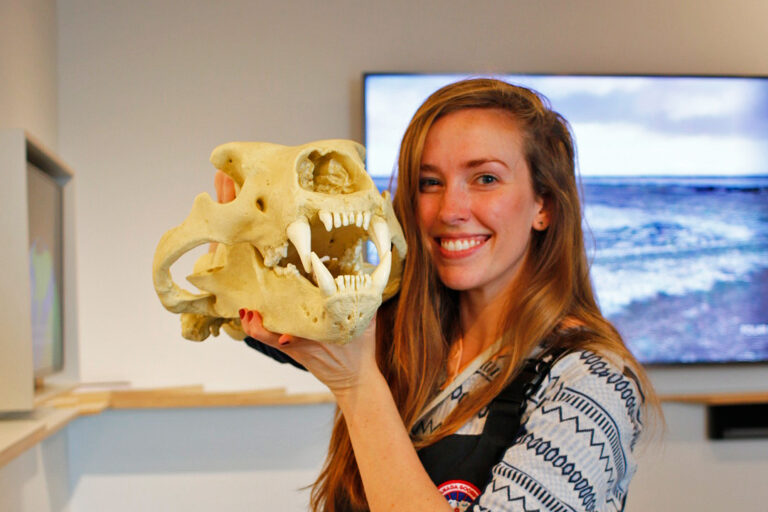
290,245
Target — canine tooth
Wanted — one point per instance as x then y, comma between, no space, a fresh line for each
300,236
381,274
366,220
322,276
326,218
359,219
381,236
336,220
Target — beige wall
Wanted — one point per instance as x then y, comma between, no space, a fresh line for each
149,88
28,75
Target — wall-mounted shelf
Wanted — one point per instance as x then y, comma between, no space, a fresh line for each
731,415
744,398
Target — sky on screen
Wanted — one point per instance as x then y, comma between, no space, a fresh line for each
649,126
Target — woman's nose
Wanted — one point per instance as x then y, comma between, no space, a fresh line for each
454,206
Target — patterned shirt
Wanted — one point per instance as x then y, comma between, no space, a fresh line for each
574,451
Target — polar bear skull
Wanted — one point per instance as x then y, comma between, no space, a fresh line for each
291,245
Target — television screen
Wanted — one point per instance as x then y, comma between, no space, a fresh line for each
674,174
45,270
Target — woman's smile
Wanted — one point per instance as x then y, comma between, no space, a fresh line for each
460,246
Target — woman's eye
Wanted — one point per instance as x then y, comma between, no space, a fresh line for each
487,179
427,183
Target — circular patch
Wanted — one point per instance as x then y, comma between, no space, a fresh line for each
460,494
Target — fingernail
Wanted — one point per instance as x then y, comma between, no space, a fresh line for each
249,316
242,313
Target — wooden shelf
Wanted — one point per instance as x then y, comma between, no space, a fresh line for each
90,402
754,397
21,431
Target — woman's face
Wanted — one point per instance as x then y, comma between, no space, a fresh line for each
476,205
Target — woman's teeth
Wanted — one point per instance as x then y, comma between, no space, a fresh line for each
459,244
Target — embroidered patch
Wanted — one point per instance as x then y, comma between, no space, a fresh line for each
460,494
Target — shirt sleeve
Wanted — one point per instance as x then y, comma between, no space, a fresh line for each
575,448
275,354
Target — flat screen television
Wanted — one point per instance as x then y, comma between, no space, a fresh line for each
36,308
674,179
46,255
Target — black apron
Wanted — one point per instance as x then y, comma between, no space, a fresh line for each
460,465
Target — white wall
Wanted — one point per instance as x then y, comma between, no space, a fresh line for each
148,88
28,78
37,479
248,459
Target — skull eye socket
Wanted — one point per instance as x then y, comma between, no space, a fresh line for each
327,173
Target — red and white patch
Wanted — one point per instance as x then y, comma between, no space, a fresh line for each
460,494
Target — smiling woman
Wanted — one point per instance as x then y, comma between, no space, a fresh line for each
492,380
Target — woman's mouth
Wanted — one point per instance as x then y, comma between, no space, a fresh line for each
456,247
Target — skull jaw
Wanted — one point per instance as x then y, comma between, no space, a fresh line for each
290,304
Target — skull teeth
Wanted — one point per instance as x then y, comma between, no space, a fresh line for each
381,274
380,235
300,235
339,219
353,283
323,277
349,283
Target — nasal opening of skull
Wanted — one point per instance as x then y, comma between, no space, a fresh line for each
328,173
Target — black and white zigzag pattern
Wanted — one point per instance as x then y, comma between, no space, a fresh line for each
575,450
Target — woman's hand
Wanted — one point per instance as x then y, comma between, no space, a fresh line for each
345,369
225,187
225,192
383,450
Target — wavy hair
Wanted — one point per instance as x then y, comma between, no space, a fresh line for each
552,289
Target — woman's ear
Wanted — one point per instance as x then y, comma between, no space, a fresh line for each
541,220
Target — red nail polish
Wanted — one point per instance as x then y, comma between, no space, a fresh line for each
242,313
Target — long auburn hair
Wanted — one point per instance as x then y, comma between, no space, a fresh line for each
415,329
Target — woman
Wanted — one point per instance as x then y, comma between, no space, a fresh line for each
492,378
